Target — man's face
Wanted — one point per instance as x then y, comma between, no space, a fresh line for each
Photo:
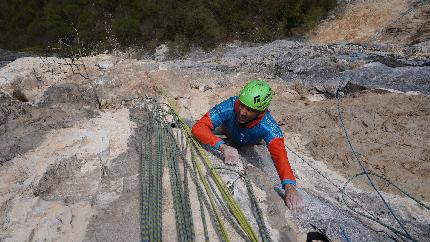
245,114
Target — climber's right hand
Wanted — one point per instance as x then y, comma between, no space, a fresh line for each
231,156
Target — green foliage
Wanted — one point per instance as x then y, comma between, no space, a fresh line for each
36,24
127,30
200,26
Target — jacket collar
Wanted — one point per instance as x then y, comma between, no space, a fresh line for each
253,122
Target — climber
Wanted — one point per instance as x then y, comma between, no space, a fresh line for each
245,120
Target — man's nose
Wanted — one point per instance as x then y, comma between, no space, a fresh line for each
243,112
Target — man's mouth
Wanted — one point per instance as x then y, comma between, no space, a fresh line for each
242,119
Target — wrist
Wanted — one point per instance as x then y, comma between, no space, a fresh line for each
289,187
286,182
218,144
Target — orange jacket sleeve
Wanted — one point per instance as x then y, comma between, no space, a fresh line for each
202,130
279,156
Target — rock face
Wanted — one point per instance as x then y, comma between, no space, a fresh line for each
388,21
68,157
411,27
335,64
7,56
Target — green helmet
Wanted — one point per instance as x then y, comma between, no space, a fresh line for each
257,95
